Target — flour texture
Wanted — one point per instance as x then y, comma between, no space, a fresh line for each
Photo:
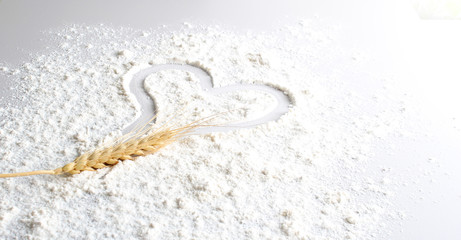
299,177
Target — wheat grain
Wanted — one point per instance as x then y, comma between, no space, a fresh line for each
128,147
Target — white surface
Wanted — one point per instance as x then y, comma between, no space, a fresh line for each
424,54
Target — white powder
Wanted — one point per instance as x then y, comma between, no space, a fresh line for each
300,177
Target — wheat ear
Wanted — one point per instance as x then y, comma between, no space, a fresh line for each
128,148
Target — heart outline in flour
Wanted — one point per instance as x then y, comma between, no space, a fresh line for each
133,83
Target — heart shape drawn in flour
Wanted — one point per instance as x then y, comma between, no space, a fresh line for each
164,88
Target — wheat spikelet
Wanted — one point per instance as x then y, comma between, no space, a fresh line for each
128,147
127,150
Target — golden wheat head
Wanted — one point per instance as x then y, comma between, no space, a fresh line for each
143,142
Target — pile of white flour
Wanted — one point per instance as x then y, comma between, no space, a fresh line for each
300,177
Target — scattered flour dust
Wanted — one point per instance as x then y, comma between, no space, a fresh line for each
300,177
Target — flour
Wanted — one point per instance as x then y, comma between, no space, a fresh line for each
299,177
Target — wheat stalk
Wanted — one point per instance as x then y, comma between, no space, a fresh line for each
128,147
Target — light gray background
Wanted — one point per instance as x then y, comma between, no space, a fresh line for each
425,54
